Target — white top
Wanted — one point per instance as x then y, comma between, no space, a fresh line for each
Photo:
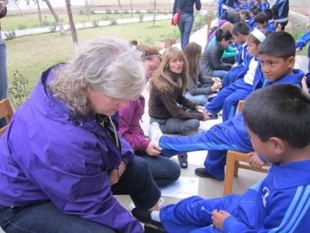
249,76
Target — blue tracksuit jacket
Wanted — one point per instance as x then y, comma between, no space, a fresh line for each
278,203
300,44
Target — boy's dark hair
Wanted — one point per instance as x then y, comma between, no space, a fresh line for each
241,28
246,14
261,18
278,44
269,13
223,34
280,110
255,10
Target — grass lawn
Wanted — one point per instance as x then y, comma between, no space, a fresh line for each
30,55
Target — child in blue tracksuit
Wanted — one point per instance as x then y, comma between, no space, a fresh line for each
264,5
278,122
240,33
300,43
277,57
227,99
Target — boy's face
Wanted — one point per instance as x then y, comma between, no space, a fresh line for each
260,25
240,39
269,150
275,68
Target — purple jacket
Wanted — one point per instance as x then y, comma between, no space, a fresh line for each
130,127
49,154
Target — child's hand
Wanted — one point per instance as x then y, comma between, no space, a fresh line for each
218,217
255,161
153,149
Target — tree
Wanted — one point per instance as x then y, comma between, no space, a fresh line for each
72,25
59,23
37,2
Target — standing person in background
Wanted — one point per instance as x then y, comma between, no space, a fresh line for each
62,160
280,10
3,70
199,87
187,18
164,170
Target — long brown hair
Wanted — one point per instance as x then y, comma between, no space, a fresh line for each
163,70
193,53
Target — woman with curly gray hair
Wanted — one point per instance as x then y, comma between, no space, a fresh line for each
62,159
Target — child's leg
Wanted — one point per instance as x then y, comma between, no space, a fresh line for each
230,103
217,103
193,213
229,135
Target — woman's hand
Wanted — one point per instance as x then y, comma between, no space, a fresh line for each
216,85
218,218
116,174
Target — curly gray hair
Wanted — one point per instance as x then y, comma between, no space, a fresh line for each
105,64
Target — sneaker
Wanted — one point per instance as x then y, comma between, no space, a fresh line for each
155,132
202,172
160,203
183,160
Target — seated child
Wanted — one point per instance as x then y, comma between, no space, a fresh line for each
261,22
240,32
228,97
277,56
277,119
300,43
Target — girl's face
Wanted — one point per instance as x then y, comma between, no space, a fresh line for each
176,64
225,43
104,104
150,67
252,49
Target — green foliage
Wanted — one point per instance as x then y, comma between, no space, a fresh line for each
10,35
19,89
21,26
95,23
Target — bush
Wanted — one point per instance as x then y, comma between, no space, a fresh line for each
19,89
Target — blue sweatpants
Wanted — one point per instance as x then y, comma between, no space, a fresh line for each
229,135
227,99
193,214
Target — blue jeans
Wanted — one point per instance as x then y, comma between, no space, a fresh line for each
44,217
185,26
177,126
164,170
200,99
219,73
3,71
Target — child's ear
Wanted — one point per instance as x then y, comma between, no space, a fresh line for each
291,62
277,145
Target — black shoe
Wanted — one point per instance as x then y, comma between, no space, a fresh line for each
202,172
183,160
149,228
213,117
144,216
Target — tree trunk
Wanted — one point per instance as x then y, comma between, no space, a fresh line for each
154,13
39,13
59,23
72,25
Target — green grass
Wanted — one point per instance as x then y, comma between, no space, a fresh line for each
30,55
